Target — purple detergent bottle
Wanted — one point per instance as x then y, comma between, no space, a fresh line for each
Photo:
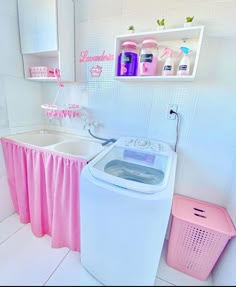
127,64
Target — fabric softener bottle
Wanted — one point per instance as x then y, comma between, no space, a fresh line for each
127,64
148,58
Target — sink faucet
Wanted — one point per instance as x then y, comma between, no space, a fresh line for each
107,141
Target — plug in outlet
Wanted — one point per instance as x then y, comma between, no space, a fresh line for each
173,108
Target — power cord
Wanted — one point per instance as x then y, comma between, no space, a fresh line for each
177,128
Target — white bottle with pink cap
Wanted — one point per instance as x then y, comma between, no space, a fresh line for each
148,58
168,67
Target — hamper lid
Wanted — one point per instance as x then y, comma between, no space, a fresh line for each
203,213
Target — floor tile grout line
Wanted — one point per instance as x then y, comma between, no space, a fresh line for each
56,268
11,235
61,259
102,284
165,281
6,218
14,233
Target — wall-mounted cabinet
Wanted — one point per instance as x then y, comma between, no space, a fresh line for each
47,36
190,37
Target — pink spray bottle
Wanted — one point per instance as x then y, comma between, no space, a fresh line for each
168,67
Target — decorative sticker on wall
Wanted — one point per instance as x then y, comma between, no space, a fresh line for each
85,57
97,69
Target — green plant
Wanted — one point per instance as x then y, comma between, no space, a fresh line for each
189,19
161,22
131,28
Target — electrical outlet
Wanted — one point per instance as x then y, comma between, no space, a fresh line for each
174,108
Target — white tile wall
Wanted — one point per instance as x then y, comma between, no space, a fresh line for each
206,105
23,102
10,59
224,273
207,132
3,106
20,100
103,8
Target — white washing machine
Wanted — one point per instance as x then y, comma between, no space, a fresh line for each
125,202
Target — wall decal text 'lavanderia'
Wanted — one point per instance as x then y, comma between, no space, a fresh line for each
84,57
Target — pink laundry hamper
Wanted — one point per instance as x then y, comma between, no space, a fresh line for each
199,233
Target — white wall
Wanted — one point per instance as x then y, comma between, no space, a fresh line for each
207,136
19,100
224,273
206,105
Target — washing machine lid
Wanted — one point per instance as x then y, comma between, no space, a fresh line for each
132,168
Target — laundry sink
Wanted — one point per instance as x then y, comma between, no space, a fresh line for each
39,139
81,148
62,143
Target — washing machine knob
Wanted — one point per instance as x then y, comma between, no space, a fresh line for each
142,143
129,141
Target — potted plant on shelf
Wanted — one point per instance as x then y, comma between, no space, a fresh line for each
161,24
131,29
188,21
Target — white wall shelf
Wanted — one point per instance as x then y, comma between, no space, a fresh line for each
190,37
154,78
47,36
42,79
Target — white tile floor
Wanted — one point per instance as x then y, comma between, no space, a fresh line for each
27,260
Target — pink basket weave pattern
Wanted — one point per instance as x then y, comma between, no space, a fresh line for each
41,72
199,234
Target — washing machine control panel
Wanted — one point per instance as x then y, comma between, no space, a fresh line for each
144,144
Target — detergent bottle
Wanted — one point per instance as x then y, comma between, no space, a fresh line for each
148,58
184,65
168,68
128,59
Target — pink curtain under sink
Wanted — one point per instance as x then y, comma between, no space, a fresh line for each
44,187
